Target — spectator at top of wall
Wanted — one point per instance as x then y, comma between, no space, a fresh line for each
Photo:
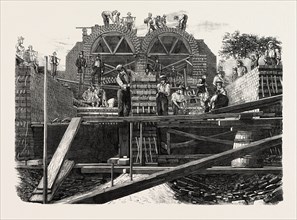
106,15
163,21
240,68
30,57
183,22
150,22
129,21
20,49
254,60
158,22
272,55
117,19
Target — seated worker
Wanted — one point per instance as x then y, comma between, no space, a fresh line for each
178,101
101,95
90,96
219,99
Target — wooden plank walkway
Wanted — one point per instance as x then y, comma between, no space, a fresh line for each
150,170
118,191
61,152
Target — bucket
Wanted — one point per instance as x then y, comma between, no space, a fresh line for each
243,138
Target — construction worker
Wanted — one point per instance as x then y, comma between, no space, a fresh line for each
219,99
54,60
163,91
81,64
124,93
272,55
98,69
106,15
178,100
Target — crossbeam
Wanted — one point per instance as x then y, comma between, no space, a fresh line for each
249,105
200,138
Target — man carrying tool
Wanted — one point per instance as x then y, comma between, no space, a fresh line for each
124,93
163,91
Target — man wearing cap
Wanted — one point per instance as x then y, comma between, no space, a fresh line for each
124,93
98,69
272,55
54,62
163,91
202,92
81,64
178,100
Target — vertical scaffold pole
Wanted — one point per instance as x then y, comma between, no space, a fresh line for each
45,133
131,151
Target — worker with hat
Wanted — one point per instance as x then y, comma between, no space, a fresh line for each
54,60
272,55
124,93
81,64
98,69
163,91
178,100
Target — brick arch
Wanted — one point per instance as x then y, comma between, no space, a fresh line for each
130,36
149,38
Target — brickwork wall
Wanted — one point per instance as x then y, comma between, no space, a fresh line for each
23,132
59,101
92,143
71,70
29,106
244,89
261,82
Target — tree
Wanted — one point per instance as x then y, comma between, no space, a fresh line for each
240,46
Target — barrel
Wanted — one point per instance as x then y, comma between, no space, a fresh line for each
243,138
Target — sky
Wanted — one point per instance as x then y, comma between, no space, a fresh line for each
51,26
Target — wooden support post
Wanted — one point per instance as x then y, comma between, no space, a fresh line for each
111,174
262,86
168,142
268,86
141,145
131,151
185,76
45,133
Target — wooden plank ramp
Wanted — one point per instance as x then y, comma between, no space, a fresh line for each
61,152
64,172
105,195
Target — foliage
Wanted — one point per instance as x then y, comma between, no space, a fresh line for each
240,46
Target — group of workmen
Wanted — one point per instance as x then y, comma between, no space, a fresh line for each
96,96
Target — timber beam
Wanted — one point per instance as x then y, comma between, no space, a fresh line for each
118,191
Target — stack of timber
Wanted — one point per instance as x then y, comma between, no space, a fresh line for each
59,168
